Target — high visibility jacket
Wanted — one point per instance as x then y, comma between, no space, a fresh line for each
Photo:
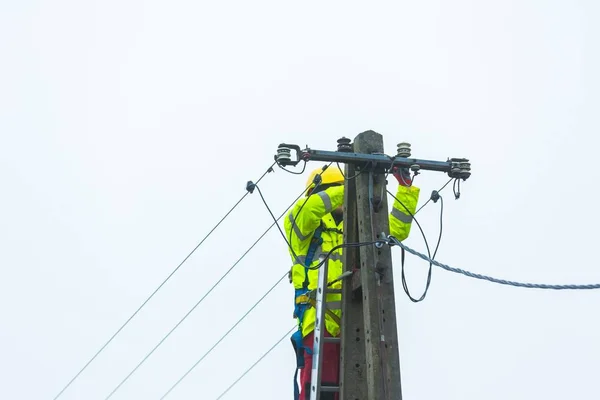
302,221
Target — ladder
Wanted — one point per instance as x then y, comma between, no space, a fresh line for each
316,389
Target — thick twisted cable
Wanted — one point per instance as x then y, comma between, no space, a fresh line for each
158,288
491,279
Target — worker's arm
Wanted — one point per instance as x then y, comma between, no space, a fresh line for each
316,207
404,207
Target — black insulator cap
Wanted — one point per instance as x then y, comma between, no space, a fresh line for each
344,144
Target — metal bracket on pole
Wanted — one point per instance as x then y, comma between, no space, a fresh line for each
459,168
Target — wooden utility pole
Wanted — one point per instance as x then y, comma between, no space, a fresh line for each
353,381
370,357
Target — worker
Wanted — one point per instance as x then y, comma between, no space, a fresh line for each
318,219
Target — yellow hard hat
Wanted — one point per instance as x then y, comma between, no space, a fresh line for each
332,174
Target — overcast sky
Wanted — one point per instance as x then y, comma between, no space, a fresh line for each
129,128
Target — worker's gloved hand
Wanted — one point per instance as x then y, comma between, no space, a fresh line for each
402,175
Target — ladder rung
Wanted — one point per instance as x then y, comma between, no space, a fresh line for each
334,291
329,339
330,389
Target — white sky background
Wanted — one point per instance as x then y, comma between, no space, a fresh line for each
129,128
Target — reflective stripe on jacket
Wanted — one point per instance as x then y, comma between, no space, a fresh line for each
316,210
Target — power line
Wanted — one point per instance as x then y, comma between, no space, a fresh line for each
257,361
491,279
224,336
270,169
439,190
199,301
292,172
351,177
